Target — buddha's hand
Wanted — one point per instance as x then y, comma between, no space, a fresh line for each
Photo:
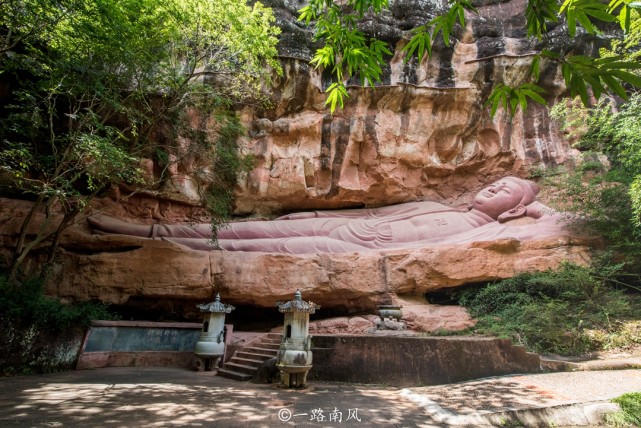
298,216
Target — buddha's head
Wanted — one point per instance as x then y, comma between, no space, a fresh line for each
506,198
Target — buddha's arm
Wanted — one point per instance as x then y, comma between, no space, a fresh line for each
353,213
395,212
307,227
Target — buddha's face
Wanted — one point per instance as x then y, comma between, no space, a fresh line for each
499,197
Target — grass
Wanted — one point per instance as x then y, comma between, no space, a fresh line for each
630,413
572,311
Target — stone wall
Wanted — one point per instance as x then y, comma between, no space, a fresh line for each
135,343
413,361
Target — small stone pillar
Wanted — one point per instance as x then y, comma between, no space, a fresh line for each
294,355
211,346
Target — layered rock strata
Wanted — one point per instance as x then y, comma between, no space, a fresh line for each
422,133
126,270
117,269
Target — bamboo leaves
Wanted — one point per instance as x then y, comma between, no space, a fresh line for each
423,36
347,51
581,71
512,98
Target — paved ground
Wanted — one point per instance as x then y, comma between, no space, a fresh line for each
175,397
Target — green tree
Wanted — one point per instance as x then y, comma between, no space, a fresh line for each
92,83
347,51
609,201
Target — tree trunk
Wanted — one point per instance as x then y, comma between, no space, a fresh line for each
66,222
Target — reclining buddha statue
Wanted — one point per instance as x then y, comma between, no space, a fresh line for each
406,225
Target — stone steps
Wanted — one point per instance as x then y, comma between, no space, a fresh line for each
252,356
240,368
265,351
230,374
250,361
245,362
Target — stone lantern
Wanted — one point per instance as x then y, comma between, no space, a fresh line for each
294,355
211,346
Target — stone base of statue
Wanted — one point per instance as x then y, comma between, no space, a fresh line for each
294,364
293,376
389,324
206,364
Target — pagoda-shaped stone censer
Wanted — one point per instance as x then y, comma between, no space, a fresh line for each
294,355
211,345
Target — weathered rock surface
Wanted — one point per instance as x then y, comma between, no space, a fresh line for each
423,133
127,270
119,269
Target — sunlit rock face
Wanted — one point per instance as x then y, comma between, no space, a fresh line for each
423,133
153,274
124,270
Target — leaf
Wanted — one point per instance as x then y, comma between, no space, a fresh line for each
419,43
550,54
566,70
581,89
445,30
536,97
306,14
595,84
633,79
535,68
600,14
571,17
533,87
614,4
585,22
624,18
522,100
566,5
335,96
495,105
615,86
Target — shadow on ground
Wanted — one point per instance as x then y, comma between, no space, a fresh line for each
174,397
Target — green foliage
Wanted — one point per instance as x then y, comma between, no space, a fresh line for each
227,166
345,46
582,11
347,51
27,306
581,71
92,84
630,414
539,14
512,98
600,205
630,46
571,311
612,201
423,36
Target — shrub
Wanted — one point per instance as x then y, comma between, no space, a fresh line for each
630,413
28,306
571,311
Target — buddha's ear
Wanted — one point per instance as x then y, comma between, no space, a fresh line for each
516,212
